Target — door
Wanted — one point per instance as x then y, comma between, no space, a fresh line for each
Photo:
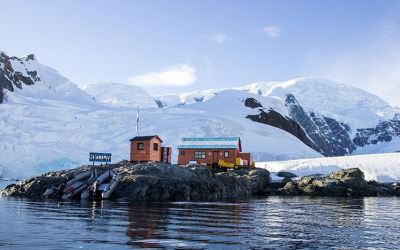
215,158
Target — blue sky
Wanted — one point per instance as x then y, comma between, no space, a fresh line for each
174,46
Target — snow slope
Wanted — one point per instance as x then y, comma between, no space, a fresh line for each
51,84
380,167
117,94
339,117
53,124
353,106
265,142
38,137
356,107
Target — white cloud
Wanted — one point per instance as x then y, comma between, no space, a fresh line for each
272,31
174,75
219,38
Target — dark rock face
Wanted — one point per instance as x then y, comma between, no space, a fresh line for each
383,132
158,182
11,79
159,103
252,103
331,137
323,134
275,119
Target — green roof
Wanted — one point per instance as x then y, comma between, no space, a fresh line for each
211,139
210,142
208,146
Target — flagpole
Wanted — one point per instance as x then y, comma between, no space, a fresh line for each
137,121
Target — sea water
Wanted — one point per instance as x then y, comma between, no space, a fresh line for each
271,222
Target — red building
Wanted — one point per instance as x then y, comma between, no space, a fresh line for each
149,148
219,151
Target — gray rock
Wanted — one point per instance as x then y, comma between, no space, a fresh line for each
285,174
159,182
347,182
309,189
289,189
346,175
304,181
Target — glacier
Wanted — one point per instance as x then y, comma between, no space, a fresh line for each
47,122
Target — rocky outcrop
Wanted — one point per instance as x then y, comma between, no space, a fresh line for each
165,182
252,103
10,78
330,136
275,119
323,134
158,182
383,132
345,183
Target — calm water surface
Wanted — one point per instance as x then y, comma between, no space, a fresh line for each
274,222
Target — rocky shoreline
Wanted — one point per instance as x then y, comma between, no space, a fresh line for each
165,182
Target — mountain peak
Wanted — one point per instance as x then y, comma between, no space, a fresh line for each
30,57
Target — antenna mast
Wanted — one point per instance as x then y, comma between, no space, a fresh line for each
137,121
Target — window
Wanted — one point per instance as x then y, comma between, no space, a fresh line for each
140,146
226,154
199,154
155,146
182,152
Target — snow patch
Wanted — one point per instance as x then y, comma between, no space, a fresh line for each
379,167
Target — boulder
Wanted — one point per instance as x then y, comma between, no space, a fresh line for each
304,181
289,189
347,182
308,189
285,174
346,175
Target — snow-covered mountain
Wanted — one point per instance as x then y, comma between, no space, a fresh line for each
337,119
27,79
47,122
344,103
117,94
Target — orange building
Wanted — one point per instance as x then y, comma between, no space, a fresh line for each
219,151
149,148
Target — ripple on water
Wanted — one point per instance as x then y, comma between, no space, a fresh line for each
274,222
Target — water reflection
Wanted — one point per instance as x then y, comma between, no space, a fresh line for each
274,222
146,225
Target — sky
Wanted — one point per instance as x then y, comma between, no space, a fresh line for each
178,46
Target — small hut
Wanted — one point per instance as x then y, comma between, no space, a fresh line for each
149,148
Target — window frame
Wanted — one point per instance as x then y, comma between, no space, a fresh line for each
200,154
226,154
140,146
155,146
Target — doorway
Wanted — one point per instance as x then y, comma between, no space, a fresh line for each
215,158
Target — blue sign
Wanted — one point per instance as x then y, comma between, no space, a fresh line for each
99,157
